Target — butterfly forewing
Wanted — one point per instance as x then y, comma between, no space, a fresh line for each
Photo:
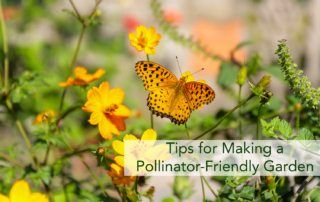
155,76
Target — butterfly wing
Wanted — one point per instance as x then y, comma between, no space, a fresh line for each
155,76
198,94
160,102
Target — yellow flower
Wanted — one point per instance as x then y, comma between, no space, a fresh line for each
20,192
44,116
145,39
118,173
82,78
107,110
141,150
191,78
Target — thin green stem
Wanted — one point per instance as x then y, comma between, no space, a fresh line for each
187,130
71,67
203,194
89,169
225,116
5,48
298,122
136,185
258,122
210,187
309,194
239,100
12,160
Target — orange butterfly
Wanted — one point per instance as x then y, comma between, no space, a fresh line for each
170,97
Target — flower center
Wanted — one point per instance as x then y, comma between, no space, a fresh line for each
110,109
143,41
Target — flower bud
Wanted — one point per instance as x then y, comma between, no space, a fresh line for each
297,107
266,96
269,180
242,75
101,151
97,13
264,83
150,192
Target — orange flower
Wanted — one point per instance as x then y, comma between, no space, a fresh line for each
145,39
172,16
107,110
44,117
82,78
20,192
118,172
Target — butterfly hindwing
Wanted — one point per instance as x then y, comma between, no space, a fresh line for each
198,94
160,101
155,76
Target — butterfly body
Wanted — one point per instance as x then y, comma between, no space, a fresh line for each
169,97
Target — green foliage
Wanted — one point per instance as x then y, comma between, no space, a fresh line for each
182,188
300,84
269,129
228,74
254,64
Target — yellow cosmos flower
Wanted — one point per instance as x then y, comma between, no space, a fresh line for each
141,150
107,110
44,116
191,78
20,192
118,173
82,78
145,39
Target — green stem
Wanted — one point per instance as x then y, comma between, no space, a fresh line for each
136,185
71,67
210,187
89,169
309,194
258,122
5,49
225,116
239,100
12,160
187,130
203,194
298,121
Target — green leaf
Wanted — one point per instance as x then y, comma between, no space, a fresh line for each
247,192
275,123
168,199
264,123
242,44
305,136
268,195
228,74
285,129
229,181
268,133
275,71
182,187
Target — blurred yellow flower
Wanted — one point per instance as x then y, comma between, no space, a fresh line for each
82,78
142,150
44,116
190,78
118,173
20,192
145,39
107,110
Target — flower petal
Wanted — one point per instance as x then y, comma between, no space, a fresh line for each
188,76
95,118
91,106
141,31
104,128
37,197
133,37
150,32
118,122
155,38
130,137
119,160
149,134
94,96
80,72
20,192
63,84
122,111
118,146
153,44
150,50
202,81
99,73
4,198
115,96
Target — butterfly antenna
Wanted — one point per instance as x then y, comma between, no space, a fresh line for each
197,71
179,65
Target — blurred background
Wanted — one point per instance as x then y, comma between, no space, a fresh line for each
42,40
